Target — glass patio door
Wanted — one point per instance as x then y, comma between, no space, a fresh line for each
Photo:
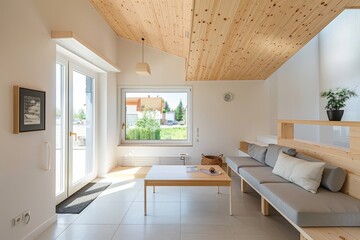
81,128
74,128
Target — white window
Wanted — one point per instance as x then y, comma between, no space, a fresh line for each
156,116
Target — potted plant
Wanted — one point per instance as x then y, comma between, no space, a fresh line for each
337,101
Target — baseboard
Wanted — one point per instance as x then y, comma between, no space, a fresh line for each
34,234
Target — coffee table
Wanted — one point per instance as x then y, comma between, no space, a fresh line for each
177,175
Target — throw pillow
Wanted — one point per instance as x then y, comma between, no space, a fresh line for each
308,175
303,173
273,152
257,152
333,177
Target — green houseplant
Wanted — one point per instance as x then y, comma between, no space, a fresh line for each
337,101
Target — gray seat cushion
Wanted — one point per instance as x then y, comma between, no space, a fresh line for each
258,175
273,152
257,152
237,162
306,209
333,177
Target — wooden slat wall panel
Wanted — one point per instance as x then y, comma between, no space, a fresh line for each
162,23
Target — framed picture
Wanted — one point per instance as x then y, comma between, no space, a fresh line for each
29,110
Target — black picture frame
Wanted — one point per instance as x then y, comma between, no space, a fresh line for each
29,110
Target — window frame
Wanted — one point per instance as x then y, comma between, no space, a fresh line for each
122,90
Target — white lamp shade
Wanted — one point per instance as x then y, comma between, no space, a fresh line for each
143,69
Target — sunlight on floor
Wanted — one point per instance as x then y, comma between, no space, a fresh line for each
117,189
128,172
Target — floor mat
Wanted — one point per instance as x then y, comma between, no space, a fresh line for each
82,198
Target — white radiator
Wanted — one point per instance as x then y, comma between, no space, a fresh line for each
143,161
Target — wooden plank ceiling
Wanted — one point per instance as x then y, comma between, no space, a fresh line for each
229,39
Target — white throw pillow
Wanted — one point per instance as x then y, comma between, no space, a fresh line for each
285,165
303,173
308,175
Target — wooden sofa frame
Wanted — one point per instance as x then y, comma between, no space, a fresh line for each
346,158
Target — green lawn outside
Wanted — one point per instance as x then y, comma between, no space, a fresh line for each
171,133
176,133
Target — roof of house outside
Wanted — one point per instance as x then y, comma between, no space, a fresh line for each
145,103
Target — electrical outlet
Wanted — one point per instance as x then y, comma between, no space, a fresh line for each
18,219
26,216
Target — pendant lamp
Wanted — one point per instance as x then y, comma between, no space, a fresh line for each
143,68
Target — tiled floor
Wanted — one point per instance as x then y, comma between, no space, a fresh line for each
174,213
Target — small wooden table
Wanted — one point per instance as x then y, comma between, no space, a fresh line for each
176,175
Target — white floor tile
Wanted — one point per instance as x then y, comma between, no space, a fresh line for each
157,213
162,194
204,194
148,232
205,214
124,191
53,231
66,218
206,232
88,232
103,213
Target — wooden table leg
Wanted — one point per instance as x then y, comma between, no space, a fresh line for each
218,189
145,198
153,189
230,200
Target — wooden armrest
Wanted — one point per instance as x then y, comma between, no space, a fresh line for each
244,146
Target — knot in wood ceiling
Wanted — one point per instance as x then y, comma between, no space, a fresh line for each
223,39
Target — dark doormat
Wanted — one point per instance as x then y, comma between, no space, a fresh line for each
82,198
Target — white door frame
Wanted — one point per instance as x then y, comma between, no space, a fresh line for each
69,67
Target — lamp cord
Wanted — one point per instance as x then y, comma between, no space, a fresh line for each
142,49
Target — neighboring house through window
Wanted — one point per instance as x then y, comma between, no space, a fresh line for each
156,116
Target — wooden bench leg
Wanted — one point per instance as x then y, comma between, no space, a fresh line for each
264,207
228,170
243,185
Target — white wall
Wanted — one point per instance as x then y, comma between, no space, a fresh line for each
28,58
340,67
330,60
106,135
294,91
340,60
222,125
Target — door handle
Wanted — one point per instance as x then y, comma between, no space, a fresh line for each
73,134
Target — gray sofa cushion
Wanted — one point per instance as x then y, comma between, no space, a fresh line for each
306,209
257,152
238,162
333,177
274,151
256,176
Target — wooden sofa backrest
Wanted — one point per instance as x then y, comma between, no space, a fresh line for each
346,158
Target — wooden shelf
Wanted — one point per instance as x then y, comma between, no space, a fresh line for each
322,123
70,42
